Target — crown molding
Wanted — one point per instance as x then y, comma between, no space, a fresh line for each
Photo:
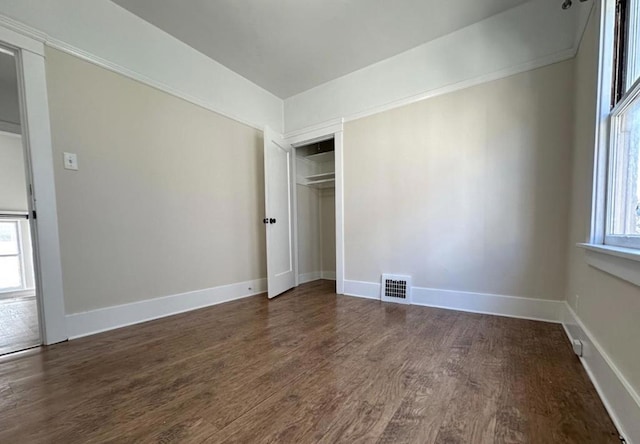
558,57
60,45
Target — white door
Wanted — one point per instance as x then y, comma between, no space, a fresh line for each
278,178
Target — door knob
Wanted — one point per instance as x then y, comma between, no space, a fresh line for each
272,221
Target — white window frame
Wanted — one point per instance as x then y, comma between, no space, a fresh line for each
630,97
20,256
618,260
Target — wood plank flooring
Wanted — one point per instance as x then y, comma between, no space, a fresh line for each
307,367
18,324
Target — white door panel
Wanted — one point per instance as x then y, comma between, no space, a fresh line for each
278,161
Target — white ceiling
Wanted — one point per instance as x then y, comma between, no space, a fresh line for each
290,46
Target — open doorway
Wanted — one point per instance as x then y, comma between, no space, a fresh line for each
315,206
19,314
304,211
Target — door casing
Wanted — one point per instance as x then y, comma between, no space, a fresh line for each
335,130
36,136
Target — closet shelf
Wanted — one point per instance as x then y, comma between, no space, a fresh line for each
321,176
321,183
321,180
327,156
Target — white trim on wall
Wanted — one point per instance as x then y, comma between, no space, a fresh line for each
617,394
31,34
361,289
316,275
526,37
36,134
309,277
313,134
598,207
37,137
339,202
617,261
328,275
21,36
110,318
134,75
512,306
23,293
469,83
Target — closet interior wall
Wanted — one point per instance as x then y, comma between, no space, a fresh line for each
315,187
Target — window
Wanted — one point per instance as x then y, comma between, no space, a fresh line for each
11,264
623,197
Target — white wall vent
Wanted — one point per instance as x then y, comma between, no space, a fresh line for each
396,288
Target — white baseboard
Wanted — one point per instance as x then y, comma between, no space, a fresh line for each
618,396
309,277
360,289
329,275
620,399
493,304
315,275
18,294
511,306
109,318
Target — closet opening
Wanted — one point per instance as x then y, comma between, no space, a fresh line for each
19,311
316,215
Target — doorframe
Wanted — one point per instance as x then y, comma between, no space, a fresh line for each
38,149
332,129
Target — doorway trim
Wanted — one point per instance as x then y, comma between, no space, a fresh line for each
332,129
36,136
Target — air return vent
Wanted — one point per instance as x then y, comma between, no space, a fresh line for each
396,288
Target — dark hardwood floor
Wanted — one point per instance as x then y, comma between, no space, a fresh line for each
308,366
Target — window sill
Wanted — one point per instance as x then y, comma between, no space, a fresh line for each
623,263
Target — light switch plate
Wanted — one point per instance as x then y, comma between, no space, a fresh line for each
71,161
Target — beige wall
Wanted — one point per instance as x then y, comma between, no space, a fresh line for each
309,252
609,307
169,196
316,230
466,191
13,186
328,229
